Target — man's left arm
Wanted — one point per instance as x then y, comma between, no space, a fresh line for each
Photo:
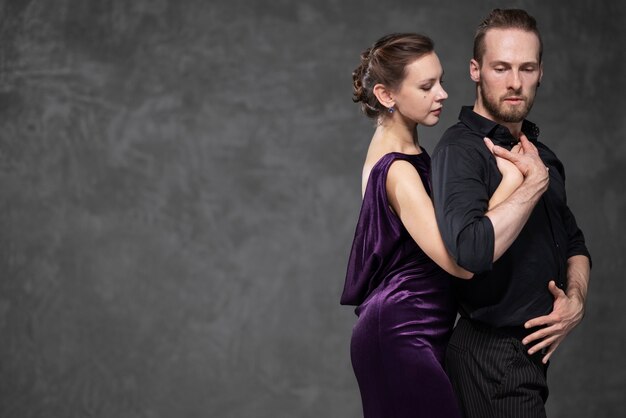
568,311
569,306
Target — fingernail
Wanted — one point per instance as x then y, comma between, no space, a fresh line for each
524,342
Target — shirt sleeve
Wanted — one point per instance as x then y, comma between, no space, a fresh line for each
576,240
461,200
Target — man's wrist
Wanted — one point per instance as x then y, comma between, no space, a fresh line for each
576,295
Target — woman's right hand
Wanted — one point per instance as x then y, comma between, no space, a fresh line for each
510,173
512,177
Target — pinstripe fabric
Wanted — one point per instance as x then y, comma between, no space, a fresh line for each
493,376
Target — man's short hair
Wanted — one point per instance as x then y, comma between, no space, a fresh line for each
504,19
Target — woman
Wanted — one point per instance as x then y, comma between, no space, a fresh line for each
398,267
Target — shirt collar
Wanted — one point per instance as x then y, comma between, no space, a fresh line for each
499,134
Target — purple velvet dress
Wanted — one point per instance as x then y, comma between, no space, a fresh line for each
405,310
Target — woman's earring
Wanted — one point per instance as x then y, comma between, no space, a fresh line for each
391,109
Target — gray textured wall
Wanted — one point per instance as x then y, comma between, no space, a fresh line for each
179,185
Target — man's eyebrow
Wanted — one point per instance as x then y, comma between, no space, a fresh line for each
508,63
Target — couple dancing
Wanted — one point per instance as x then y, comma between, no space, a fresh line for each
498,222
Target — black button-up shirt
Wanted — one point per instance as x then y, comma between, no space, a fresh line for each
464,176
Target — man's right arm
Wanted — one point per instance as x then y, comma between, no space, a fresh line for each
509,217
474,235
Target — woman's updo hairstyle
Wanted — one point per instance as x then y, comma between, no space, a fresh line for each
385,63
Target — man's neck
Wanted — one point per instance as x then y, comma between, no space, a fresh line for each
514,127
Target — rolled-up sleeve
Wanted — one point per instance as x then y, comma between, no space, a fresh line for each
461,199
575,238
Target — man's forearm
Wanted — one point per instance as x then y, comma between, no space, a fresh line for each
578,268
509,217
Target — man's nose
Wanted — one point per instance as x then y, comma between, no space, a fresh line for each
514,80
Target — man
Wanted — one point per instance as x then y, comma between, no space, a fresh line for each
529,257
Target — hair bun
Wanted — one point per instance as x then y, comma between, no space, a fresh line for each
358,75
384,63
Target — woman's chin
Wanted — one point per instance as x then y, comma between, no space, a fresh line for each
430,122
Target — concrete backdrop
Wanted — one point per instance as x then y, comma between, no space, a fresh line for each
179,186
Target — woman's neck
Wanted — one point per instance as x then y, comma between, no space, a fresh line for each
398,137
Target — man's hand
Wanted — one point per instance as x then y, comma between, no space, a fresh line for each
567,313
526,159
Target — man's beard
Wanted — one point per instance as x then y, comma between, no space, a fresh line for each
496,107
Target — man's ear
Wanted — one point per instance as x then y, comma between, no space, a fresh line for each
383,95
540,74
474,69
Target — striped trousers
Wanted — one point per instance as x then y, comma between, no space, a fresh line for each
492,374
